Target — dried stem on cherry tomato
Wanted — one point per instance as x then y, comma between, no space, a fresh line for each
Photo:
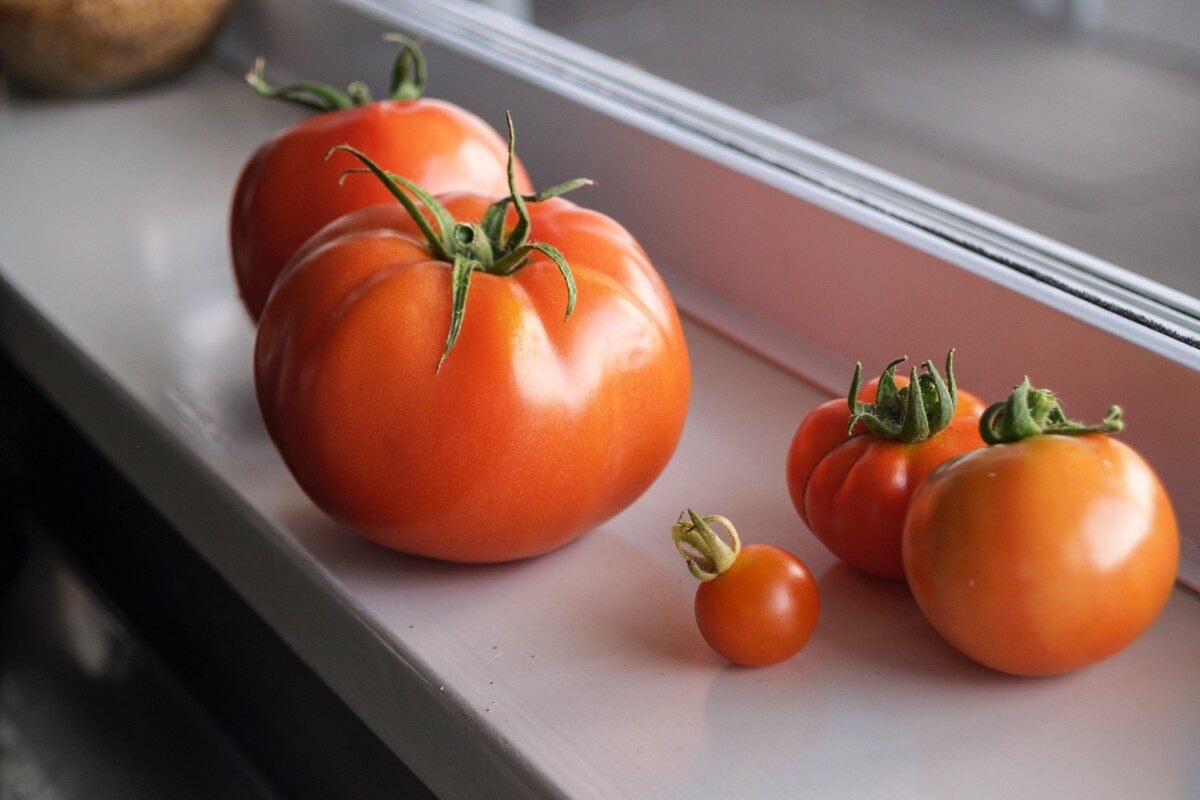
409,78
706,553
914,413
1029,412
476,247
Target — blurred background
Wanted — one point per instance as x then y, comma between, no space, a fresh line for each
1076,119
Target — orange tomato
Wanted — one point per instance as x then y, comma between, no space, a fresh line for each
1042,555
756,605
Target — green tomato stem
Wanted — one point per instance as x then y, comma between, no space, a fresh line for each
914,413
1029,412
409,74
706,553
408,82
319,97
472,247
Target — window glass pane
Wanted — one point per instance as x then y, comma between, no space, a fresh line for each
1076,119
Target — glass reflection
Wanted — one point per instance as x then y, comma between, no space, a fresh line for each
1076,119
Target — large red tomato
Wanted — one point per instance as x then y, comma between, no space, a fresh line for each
533,429
287,191
852,487
1045,552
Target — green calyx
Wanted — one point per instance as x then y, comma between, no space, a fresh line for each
408,82
910,414
476,247
1030,412
706,553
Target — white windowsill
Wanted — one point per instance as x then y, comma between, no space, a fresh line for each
579,674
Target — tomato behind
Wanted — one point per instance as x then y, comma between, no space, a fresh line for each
289,189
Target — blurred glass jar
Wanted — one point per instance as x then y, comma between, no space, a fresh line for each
92,46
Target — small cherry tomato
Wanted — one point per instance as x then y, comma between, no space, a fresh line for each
854,464
288,190
756,605
1050,550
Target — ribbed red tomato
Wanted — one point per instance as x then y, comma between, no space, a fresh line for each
424,387
852,488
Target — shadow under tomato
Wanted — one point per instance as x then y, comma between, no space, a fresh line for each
348,553
875,623
636,606
606,595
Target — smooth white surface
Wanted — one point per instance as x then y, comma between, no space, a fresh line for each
580,673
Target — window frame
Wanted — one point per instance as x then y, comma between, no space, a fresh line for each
1052,310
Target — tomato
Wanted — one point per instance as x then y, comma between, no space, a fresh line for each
756,604
474,426
852,487
1044,554
287,191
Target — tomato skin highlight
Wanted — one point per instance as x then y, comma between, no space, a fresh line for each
853,490
534,430
288,189
762,611
1042,556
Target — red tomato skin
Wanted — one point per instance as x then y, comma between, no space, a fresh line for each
852,491
761,611
823,429
288,190
535,429
1044,556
